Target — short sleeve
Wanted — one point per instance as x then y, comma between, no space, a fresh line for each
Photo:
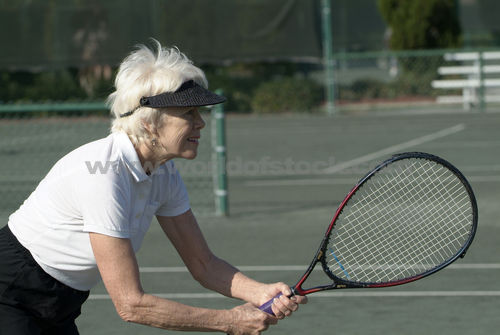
177,199
104,201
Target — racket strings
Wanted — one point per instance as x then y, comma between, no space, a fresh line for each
408,218
405,243
378,190
387,201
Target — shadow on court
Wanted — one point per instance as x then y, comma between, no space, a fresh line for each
279,213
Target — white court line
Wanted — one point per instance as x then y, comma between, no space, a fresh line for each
276,268
301,182
363,293
351,294
484,179
395,148
477,168
342,181
411,294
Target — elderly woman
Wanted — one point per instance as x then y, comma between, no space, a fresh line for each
82,224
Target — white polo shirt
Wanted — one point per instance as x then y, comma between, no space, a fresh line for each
99,187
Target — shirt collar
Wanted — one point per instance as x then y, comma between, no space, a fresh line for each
130,157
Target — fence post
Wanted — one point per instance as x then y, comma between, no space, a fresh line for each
482,105
219,161
326,19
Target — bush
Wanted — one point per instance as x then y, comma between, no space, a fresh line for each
412,83
408,83
287,95
59,86
265,87
240,81
55,85
426,24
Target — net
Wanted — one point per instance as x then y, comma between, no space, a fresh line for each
410,217
30,146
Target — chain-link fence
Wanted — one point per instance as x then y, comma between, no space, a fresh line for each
30,145
440,79
32,141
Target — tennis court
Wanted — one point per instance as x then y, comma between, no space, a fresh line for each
287,173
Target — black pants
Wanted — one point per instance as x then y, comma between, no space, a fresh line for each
31,301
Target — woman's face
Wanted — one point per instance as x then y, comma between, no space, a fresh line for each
180,132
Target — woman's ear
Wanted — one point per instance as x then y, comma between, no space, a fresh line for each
152,131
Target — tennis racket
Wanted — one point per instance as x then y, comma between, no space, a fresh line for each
411,216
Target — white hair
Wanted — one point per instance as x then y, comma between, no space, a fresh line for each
144,73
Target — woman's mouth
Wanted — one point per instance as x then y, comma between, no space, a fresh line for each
194,139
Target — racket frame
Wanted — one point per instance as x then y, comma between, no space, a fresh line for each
339,283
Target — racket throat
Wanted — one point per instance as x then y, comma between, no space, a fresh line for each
295,291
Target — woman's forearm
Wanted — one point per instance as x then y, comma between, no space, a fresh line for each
166,314
222,277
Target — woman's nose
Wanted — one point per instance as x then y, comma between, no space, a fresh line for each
199,122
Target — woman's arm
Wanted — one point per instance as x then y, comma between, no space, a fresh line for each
218,275
120,273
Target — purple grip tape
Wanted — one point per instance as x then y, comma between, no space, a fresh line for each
266,307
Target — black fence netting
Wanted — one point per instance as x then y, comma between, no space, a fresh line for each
31,143
63,33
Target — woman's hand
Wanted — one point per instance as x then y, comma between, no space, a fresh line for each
249,320
282,306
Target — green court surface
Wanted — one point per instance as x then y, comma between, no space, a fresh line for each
282,197
287,175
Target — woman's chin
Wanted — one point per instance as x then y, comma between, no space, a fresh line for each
189,155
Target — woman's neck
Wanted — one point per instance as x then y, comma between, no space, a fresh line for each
148,157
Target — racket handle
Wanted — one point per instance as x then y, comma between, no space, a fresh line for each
266,307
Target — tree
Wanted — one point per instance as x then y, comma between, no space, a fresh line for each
422,24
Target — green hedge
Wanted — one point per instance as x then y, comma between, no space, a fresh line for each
60,85
287,95
263,87
266,87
